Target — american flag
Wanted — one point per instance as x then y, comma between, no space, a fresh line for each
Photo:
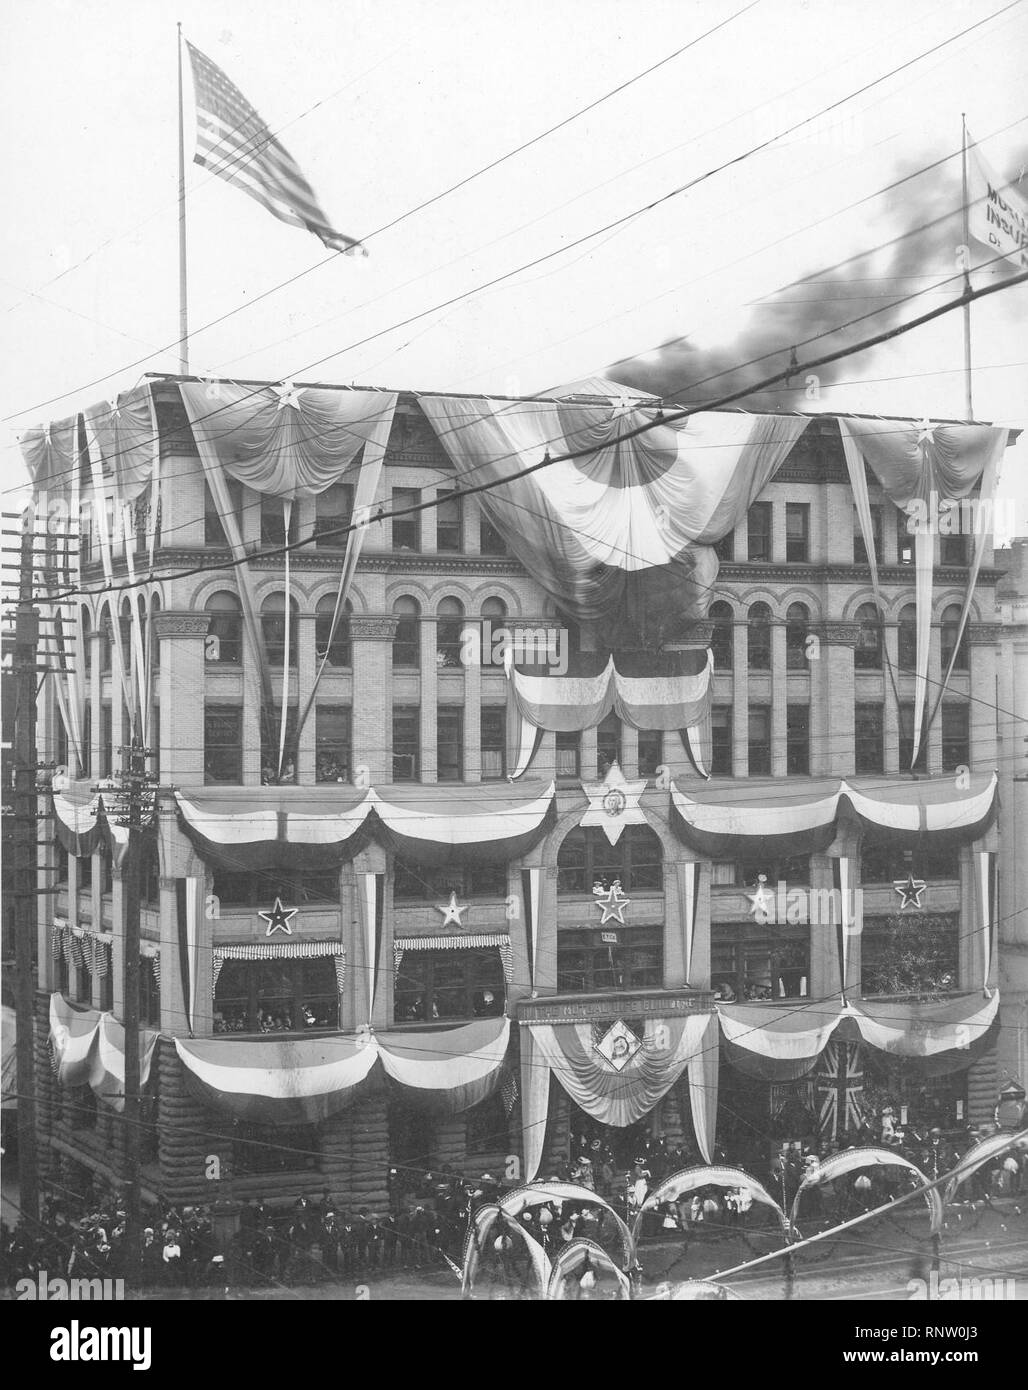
233,142
840,1089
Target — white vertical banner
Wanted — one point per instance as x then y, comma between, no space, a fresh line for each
997,215
287,515
924,560
985,886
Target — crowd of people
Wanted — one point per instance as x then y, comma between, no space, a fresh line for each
427,1220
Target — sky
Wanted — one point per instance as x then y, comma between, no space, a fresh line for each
388,103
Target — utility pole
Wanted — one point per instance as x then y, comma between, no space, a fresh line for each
26,805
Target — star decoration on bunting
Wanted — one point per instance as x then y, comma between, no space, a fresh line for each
288,394
278,918
762,900
612,903
925,431
618,1045
614,803
910,890
452,912
621,405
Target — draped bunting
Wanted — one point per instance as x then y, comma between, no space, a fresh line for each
188,906
781,1044
849,1161
305,1080
280,950
689,881
370,902
986,886
433,825
626,531
926,464
81,945
531,890
647,690
88,1049
612,1096
725,818
51,452
672,1189
83,822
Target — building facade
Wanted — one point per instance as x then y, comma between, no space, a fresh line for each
344,882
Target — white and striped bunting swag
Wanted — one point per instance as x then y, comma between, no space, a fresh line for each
233,142
187,902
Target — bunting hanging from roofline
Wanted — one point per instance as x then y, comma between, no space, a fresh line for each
922,469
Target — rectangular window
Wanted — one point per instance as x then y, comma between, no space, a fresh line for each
797,740
406,744
953,550
797,532
273,522
274,772
276,996
449,528
490,542
758,531
213,528
608,744
956,739
149,993
223,744
87,740
260,1150
623,958
406,529
913,954
760,740
651,752
721,741
332,743
484,878
906,742
333,514
904,539
450,744
85,879
569,754
860,555
724,549
869,739
494,743
756,963
433,985
883,862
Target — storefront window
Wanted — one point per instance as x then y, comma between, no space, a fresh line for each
750,962
910,956
260,1149
436,985
276,996
601,960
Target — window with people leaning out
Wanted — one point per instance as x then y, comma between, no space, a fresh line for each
588,862
276,996
433,986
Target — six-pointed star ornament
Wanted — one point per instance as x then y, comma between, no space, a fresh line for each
278,918
910,890
612,903
452,911
614,803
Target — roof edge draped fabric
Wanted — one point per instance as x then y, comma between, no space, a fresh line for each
89,1050
627,529
433,825
81,819
838,1165
754,817
306,1080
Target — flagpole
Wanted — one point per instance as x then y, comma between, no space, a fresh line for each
183,311
967,266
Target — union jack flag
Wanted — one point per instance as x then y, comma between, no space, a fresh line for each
840,1089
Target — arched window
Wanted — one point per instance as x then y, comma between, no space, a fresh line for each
906,638
494,629
950,628
225,632
868,655
587,859
797,629
340,651
407,638
273,625
758,637
722,640
449,639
